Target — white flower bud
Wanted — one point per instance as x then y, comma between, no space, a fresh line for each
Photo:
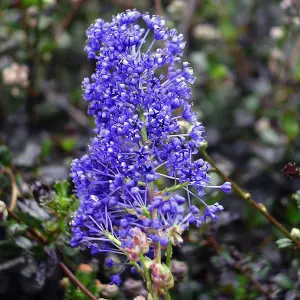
295,233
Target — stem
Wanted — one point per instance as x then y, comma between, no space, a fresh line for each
144,129
168,296
175,187
137,267
144,135
158,255
147,274
76,281
112,238
169,255
247,197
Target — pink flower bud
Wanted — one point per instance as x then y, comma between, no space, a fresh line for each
140,244
162,277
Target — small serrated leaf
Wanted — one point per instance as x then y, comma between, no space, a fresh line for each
61,188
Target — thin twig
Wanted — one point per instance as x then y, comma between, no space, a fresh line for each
247,197
235,265
73,278
14,188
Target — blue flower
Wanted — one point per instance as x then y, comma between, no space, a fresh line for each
145,130
116,279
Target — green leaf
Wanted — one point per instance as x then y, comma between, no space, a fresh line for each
64,203
14,229
86,278
5,156
30,221
62,188
290,124
283,243
50,225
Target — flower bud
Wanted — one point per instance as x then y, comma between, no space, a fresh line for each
162,277
140,244
64,282
295,233
3,211
175,235
179,269
226,187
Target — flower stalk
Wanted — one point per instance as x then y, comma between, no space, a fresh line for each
169,254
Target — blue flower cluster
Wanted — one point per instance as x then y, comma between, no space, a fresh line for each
146,131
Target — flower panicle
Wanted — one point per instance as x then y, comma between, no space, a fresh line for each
145,131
